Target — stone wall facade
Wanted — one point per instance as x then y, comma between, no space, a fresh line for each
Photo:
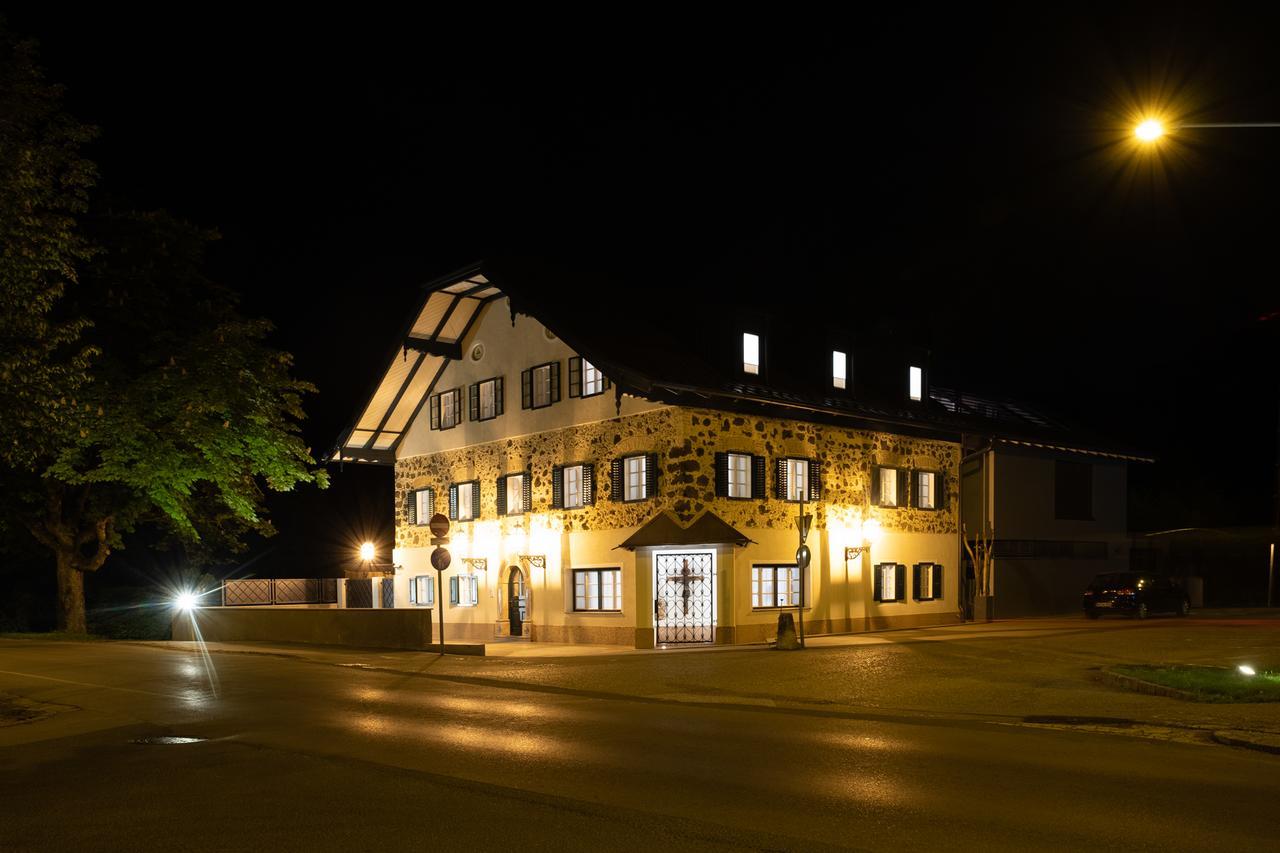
686,441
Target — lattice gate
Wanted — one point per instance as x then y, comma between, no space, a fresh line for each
683,595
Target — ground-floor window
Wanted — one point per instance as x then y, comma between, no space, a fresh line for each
597,589
928,581
464,590
422,591
775,586
889,582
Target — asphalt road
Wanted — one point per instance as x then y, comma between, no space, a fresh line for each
306,756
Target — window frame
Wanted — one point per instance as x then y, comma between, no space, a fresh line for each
436,406
901,495
507,480
791,479
470,503
915,383
586,368
496,409
927,569
534,385
421,519
415,594
795,595
752,341
934,478
899,583
456,585
839,370
564,486
599,571
747,472
644,478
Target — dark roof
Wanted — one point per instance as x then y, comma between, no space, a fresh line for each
681,350
664,529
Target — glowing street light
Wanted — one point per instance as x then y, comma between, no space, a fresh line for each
1149,130
1245,669
185,601
368,552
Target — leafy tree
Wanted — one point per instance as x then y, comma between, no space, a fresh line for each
169,409
44,184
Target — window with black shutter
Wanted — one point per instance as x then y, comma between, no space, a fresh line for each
433,405
557,487
615,480
736,475
486,399
889,486
889,582
446,409
926,489
540,385
780,486
588,483
636,477
514,493
464,500
526,389
815,480
420,505
799,478
575,376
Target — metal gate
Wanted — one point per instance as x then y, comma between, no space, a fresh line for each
682,601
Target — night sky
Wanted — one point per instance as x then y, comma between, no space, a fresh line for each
967,180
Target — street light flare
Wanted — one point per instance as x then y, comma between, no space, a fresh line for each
1149,130
367,552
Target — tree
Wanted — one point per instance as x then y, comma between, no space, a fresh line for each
132,392
44,185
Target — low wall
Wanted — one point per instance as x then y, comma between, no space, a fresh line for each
389,629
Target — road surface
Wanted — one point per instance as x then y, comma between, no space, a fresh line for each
307,756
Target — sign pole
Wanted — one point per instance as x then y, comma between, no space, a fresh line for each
440,559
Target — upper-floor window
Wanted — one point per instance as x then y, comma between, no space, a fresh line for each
464,501
739,475
839,369
514,493
799,479
585,379
446,409
420,505
888,487
750,353
915,382
634,477
928,490
486,399
572,486
540,386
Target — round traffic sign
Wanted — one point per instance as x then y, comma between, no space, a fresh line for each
440,559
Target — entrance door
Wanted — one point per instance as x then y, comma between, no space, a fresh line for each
682,608
517,600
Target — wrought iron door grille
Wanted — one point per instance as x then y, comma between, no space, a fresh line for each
683,599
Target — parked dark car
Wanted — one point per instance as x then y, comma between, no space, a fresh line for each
1135,594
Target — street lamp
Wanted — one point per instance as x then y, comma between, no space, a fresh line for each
1149,130
368,552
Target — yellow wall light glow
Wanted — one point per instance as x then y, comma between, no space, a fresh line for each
368,552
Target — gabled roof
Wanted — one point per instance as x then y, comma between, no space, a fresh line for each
664,529
663,349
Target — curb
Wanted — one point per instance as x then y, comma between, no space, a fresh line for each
1257,741
1150,688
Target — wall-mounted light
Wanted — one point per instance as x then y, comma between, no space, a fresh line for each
866,533
476,564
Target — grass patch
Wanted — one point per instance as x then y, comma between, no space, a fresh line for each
1210,683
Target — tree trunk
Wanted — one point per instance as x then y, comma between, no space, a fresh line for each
70,595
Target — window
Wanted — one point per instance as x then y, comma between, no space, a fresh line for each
750,353
915,382
775,586
420,505
926,490
597,589
927,581
739,472
446,409
634,478
422,591
514,495
464,501
839,369
486,399
889,582
888,487
464,590
798,479
540,386
585,379
572,486
1072,490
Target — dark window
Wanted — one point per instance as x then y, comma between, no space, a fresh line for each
1072,490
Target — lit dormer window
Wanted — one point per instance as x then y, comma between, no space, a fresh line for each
915,382
750,353
839,369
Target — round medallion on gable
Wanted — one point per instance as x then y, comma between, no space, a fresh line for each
477,352
548,334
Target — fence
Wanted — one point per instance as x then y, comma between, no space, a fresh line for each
269,591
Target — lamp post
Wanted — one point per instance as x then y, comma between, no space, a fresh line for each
440,559
803,558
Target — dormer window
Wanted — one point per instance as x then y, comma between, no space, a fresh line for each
750,353
839,369
915,383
